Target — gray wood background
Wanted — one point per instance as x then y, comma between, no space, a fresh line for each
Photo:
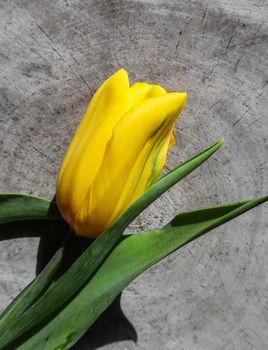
212,294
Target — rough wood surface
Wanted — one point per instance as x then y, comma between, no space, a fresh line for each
212,294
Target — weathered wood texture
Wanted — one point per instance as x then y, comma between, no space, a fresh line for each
54,54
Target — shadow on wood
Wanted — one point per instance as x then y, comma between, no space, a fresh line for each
112,326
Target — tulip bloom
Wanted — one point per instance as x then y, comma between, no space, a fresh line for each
117,152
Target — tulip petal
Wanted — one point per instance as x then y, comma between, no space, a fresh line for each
86,151
156,91
138,93
133,160
172,141
141,91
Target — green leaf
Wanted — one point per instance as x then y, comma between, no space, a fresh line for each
83,268
130,258
58,264
19,207
166,182
31,293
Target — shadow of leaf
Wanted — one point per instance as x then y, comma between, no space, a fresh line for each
112,326
33,228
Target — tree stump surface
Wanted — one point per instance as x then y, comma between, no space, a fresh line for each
212,294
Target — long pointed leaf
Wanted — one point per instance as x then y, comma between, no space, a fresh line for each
129,259
71,248
71,282
20,207
31,293
16,208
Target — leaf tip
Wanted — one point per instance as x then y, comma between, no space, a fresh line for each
221,141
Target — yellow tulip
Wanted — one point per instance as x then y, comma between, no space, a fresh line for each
117,152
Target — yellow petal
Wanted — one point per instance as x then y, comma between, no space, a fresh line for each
141,91
156,91
86,151
138,93
172,141
133,160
